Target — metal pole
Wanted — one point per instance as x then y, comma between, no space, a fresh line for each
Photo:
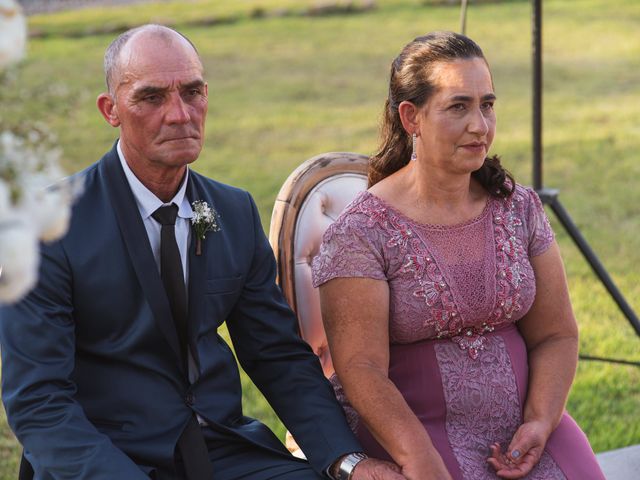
550,197
536,38
463,17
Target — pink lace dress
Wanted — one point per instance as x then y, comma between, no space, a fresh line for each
456,355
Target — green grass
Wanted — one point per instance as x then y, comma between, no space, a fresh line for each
285,88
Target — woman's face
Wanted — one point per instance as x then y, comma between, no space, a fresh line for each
457,124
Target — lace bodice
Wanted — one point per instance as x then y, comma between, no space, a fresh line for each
457,281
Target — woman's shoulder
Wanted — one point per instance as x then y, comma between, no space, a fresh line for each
524,190
364,208
368,218
522,198
524,208
353,245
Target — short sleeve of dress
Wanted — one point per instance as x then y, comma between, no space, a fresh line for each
541,235
350,248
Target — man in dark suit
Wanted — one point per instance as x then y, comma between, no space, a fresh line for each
112,366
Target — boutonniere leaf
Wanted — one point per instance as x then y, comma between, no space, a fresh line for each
205,219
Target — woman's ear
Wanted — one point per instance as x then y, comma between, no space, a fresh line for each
108,109
409,117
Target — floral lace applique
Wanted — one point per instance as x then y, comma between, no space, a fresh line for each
400,233
509,255
482,404
432,289
472,339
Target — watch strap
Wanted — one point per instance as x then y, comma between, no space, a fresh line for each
348,465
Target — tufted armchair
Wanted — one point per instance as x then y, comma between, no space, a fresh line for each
309,201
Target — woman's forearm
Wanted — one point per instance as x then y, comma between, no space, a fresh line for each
356,319
386,414
552,367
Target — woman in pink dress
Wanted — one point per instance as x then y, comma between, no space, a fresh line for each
443,292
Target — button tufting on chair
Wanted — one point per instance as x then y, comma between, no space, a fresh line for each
310,200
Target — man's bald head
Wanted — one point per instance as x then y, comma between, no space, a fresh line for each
113,55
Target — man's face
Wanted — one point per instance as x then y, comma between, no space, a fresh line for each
160,102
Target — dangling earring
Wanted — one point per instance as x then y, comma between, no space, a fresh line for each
414,154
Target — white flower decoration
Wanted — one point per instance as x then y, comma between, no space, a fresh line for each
35,205
19,259
13,33
205,219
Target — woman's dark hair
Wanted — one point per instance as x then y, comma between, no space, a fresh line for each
410,80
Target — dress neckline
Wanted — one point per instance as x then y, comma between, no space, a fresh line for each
431,226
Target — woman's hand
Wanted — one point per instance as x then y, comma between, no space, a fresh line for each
523,453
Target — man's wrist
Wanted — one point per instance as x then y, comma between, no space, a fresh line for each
343,467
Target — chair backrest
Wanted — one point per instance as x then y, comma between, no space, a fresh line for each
309,201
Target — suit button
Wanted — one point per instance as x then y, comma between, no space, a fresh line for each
190,399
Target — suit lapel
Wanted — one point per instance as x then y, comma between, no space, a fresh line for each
200,266
137,243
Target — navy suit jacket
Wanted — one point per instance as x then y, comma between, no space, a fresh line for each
91,374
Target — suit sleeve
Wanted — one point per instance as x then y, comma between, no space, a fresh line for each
284,368
38,349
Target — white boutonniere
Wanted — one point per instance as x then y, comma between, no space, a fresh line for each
205,219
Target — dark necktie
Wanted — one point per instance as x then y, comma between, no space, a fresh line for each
192,446
172,274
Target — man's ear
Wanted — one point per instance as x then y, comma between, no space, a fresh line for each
409,116
108,109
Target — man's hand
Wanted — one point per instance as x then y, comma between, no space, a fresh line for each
426,468
523,453
374,469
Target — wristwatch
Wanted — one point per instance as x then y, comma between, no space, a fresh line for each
348,465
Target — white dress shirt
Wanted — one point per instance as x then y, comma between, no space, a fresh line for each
148,203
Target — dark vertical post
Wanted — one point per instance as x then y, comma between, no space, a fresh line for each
550,196
536,38
463,17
